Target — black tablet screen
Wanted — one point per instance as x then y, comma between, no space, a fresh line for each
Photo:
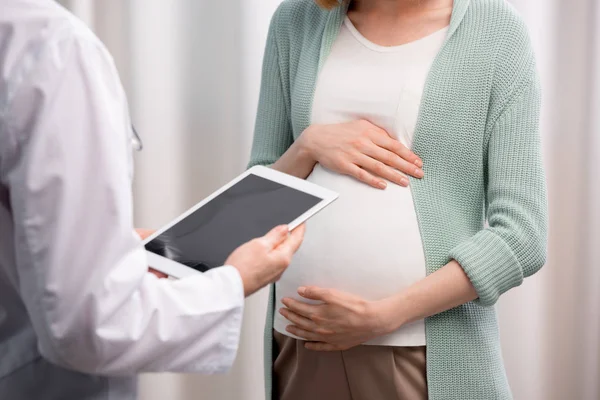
249,209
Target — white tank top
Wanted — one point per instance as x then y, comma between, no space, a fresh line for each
368,242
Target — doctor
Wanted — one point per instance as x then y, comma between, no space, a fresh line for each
79,313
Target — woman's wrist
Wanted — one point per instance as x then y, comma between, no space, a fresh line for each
297,160
387,315
306,148
445,289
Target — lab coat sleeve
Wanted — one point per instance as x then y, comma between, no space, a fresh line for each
82,271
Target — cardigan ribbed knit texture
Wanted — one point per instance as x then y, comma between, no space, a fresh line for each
477,134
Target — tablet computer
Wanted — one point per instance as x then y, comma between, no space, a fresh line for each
246,208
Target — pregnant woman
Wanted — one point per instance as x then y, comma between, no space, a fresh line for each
423,115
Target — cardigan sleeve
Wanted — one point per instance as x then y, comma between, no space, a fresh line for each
513,246
273,130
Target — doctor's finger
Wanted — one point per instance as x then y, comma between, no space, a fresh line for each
293,242
144,233
158,274
276,236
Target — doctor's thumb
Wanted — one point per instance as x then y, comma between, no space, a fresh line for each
277,236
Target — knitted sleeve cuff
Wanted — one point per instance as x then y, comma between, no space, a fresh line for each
490,264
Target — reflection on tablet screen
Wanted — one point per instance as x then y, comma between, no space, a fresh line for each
249,209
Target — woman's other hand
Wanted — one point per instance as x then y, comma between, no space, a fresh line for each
362,150
340,322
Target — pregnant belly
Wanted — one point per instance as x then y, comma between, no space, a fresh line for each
367,242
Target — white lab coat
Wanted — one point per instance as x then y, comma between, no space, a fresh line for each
75,294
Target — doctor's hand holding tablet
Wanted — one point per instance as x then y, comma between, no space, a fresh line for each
260,261
227,228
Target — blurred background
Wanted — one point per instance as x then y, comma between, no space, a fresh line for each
191,69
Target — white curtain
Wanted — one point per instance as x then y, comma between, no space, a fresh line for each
550,326
192,72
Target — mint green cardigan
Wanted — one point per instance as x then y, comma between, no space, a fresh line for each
477,133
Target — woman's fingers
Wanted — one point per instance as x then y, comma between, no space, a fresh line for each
304,309
303,322
365,177
387,142
297,319
381,169
367,153
394,160
304,334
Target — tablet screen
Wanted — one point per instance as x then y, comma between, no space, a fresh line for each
249,209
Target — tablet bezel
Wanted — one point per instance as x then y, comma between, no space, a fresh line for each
177,270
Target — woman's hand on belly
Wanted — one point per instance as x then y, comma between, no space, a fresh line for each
343,320
358,149
364,151
340,322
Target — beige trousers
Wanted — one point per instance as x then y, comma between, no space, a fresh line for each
361,373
